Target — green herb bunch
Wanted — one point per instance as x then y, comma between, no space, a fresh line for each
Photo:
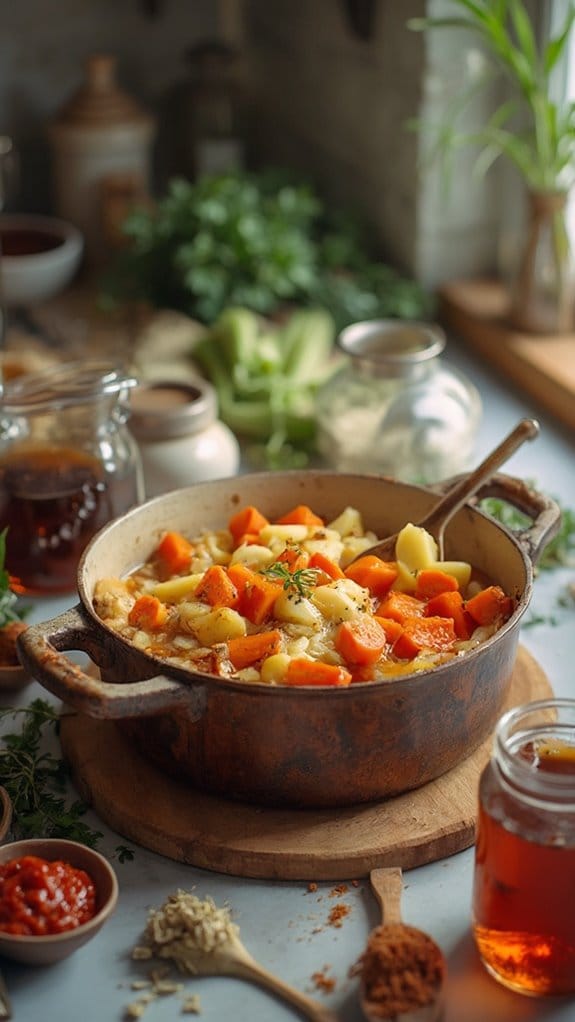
300,582
258,240
533,130
8,599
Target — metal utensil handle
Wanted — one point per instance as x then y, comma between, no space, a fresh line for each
544,512
454,499
39,650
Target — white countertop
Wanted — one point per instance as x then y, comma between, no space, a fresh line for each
284,924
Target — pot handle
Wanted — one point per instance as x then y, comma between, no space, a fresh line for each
543,510
39,649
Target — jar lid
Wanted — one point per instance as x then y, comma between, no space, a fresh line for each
389,347
166,409
68,383
99,102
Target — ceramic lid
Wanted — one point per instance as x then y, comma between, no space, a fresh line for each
168,409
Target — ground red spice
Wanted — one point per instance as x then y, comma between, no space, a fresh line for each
401,969
38,897
338,914
323,982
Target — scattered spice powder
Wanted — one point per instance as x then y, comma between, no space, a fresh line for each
323,982
401,969
339,890
312,887
338,914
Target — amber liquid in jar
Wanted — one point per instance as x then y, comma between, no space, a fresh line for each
53,500
524,887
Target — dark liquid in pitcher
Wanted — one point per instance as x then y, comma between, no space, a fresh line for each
53,500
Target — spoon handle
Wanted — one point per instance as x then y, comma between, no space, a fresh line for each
455,498
246,967
387,886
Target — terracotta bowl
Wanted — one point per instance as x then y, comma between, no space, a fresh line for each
49,949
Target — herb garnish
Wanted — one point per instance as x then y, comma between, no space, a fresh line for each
301,581
559,552
8,599
35,780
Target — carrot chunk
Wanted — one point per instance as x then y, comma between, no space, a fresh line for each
430,582
451,605
148,613
424,633
328,570
372,573
217,588
247,650
294,558
300,515
360,640
391,627
256,594
175,552
489,606
400,606
248,520
313,672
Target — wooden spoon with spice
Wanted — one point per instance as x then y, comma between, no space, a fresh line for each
202,940
402,970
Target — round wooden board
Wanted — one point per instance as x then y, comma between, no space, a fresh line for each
153,810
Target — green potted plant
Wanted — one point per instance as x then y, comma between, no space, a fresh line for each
536,132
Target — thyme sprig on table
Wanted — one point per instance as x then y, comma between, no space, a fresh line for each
301,581
35,780
559,552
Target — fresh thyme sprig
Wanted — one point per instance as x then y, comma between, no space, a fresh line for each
559,552
8,599
301,581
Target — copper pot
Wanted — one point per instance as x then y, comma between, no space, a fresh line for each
316,747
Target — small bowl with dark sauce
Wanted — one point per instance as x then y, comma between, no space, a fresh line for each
39,257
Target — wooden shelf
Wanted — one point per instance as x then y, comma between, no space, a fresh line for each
542,365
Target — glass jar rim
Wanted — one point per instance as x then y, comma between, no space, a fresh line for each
65,384
392,347
194,410
540,719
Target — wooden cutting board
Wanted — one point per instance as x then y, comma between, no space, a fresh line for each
542,366
150,809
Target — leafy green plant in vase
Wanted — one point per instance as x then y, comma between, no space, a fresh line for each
534,131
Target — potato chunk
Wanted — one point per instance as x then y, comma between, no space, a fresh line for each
415,547
218,625
296,610
175,589
341,600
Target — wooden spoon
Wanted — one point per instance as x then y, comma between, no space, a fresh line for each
231,958
436,520
394,954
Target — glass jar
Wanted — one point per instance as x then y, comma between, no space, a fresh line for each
395,408
524,882
180,437
68,465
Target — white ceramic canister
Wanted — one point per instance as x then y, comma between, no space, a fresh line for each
180,437
101,133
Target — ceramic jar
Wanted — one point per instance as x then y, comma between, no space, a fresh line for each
180,437
100,138
523,920
395,408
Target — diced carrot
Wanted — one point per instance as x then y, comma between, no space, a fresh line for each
372,573
256,594
249,520
217,588
314,672
248,539
360,640
360,673
430,582
300,515
175,552
451,605
148,613
294,558
400,606
489,606
325,567
424,633
247,650
391,627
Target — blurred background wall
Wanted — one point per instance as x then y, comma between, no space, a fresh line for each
327,87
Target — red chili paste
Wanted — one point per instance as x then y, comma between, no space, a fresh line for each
38,897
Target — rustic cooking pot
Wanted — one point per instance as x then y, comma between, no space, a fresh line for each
275,745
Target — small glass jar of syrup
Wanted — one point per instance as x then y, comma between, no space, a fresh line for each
524,881
68,464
